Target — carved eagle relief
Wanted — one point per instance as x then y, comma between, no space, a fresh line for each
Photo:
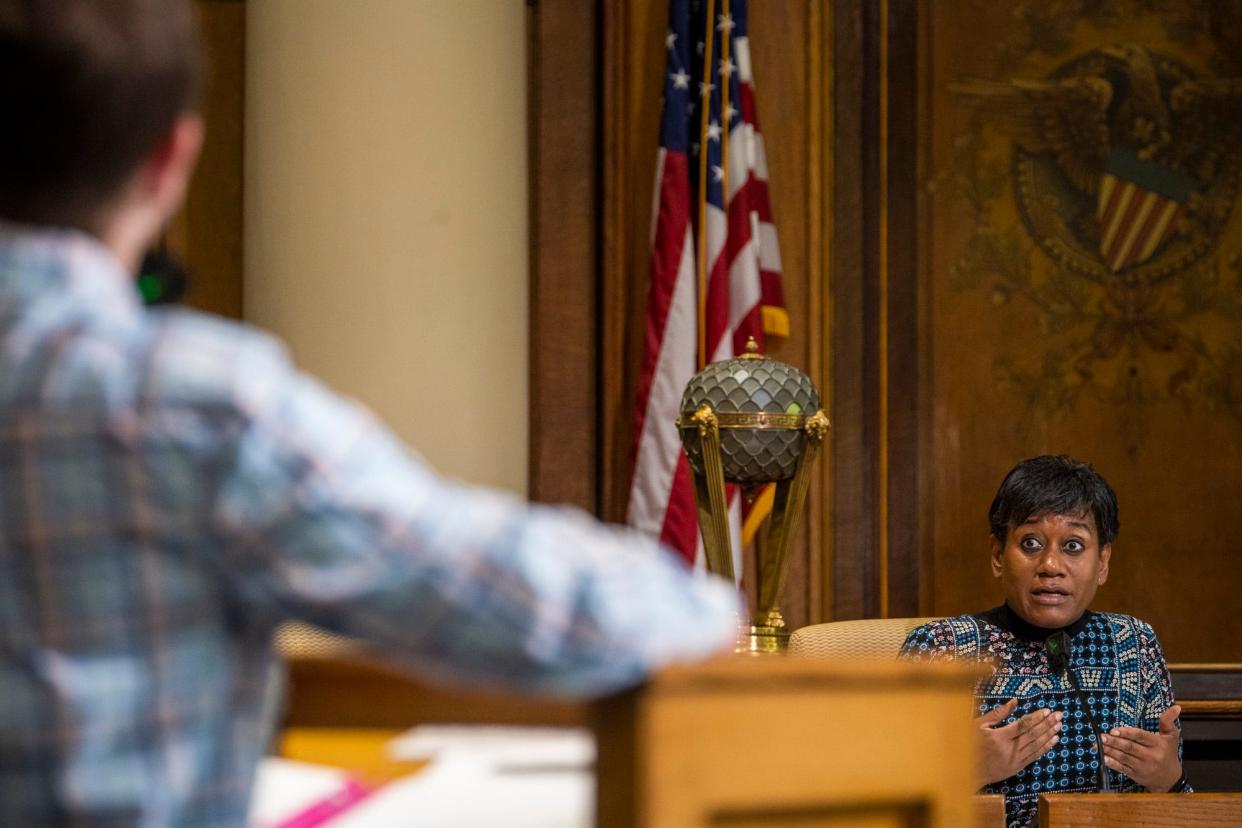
1139,144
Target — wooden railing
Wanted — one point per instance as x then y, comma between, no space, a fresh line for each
1221,810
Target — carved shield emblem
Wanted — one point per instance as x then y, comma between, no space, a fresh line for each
1139,205
1125,167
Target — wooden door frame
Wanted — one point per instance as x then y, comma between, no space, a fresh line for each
564,65
874,345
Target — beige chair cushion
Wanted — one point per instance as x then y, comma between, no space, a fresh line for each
864,637
296,640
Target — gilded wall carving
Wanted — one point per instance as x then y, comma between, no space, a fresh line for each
1099,180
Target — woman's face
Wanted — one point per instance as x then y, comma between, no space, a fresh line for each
1050,568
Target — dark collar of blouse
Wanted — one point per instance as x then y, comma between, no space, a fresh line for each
1007,619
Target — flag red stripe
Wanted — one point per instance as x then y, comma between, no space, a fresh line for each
758,196
681,519
770,288
666,253
717,319
741,207
754,193
747,105
750,325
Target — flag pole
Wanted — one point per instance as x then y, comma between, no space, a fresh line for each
725,37
704,110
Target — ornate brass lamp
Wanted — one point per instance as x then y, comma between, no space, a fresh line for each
752,421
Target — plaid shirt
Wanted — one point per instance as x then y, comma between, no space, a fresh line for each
171,490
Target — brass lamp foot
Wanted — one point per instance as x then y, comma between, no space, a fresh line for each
761,640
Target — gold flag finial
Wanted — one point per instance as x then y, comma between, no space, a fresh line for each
752,349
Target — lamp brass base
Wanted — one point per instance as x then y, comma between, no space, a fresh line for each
761,640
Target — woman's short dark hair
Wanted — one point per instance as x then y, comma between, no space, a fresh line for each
90,88
1054,485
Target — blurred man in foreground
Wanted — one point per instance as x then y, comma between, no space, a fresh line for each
171,489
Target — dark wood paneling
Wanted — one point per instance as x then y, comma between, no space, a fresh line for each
854,581
207,233
565,214
1211,700
902,382
781,41
634,74
339,692
1021,360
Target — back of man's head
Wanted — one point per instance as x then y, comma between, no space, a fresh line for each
89,89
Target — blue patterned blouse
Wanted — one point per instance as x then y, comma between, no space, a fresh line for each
1118,662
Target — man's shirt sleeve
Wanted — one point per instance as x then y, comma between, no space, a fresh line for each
326,517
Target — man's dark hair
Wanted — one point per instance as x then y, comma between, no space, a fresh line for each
1054,485
88,88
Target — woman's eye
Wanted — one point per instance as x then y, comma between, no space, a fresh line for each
1030,543
1074,546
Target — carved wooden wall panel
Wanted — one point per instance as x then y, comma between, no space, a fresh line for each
564,64
1078,291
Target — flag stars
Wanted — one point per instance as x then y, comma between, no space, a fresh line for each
705,89
730,113
717,173
713,131
698,47
681,79
724,23
727,68
694,148
670,39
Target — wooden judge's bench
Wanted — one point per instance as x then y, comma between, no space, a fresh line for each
741,743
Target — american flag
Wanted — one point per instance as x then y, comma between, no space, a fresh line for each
715,267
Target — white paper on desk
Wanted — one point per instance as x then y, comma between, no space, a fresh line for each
512,749
284,788
459,790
